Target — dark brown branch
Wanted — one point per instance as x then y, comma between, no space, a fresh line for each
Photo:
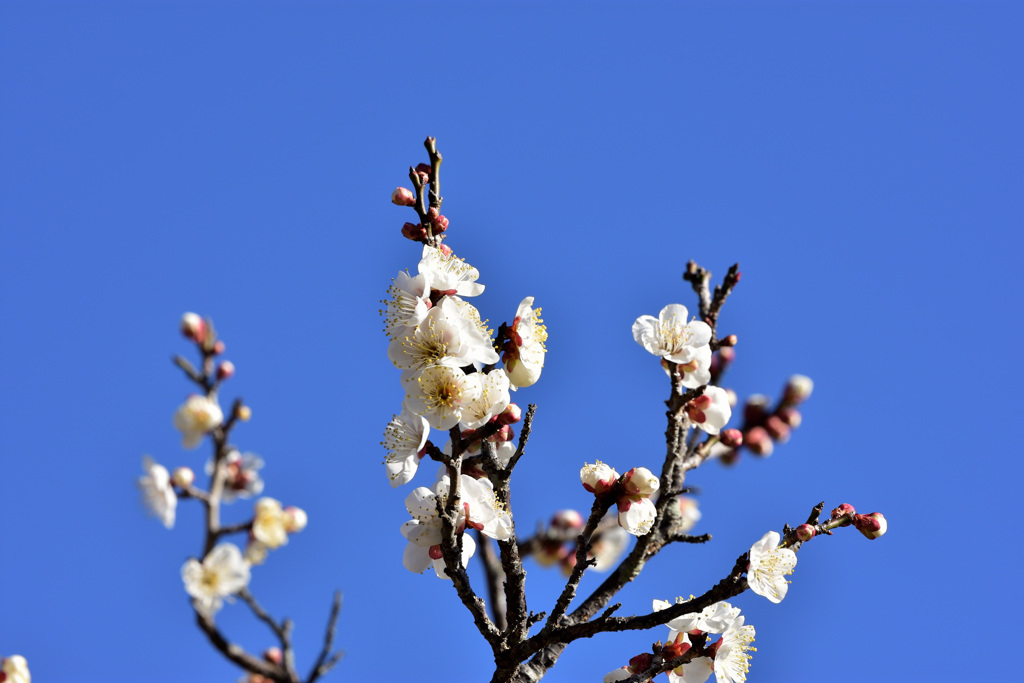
235,653
325,662
524,436
597,512
495,578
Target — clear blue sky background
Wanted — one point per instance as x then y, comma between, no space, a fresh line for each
861,160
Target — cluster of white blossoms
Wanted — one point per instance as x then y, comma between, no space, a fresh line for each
15,670
448,359
632,492
730,662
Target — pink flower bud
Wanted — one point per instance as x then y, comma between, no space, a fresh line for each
727,354
733,438
567,519
435,552
844,510
549,553
756,409
440,224
193,327
432,214
183,477
805,532
641,662
414,232
295,519
872,525
226,370
731,340
403,197
423,168
758,442
445,249
598,478
503,434
791,416
777,429
798,389
640,481
568,563
510,415
273,655
218,347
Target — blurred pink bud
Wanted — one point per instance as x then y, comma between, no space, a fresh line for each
567,519
226,370
756,409
568,563
403,197
218,347
731,438
183,477
791,416
193,327
777,429
758,442
805,532
798,389
727,354
510,415
295,519
273,655
872,525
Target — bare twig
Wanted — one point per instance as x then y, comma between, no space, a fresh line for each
325,662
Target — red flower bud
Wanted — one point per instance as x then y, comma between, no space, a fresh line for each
778,429
403,197
805,532
758,442
226,370
732,438
872,525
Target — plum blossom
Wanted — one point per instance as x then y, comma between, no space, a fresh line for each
408,304
710,411
440,394
15,670
405,439
270,523
671,337
621,674
157,492
714,618
241,475
423,532
769,566
732,663
494,397
197,416
220,574
524,353
608,544
443,337
481,509
689,513
636,515
598,478
448,274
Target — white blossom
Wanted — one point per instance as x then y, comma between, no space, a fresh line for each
598,478
609,543
449,274
15,669
482,511
220,574
197,416
157,492
716,618
423,532
440,394
621,674
710,411
494,397
524,355
732,663
671,336
241,475
689,513
697,670
405,439
407,305
439,339
636,515
270,523
769,566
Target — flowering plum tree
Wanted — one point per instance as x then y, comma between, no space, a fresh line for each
458,377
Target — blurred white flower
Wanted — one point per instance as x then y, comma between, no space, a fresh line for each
15,670
241,475
197,416
220,574
270,523
157,492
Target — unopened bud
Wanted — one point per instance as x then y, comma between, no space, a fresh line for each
568,562
503,434
805,532
193,327
414,232
872,525
640,481
273,655
510,415
243,413
727,354
226,370
730,395
567,519
731,340
440,224
295,519
549,553
844,510
791,416
758,442
423,168
798,389
183,477
640,663
403,197
732,438
756,409
598,478
777,429
218,347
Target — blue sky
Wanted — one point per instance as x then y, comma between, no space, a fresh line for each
860,160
